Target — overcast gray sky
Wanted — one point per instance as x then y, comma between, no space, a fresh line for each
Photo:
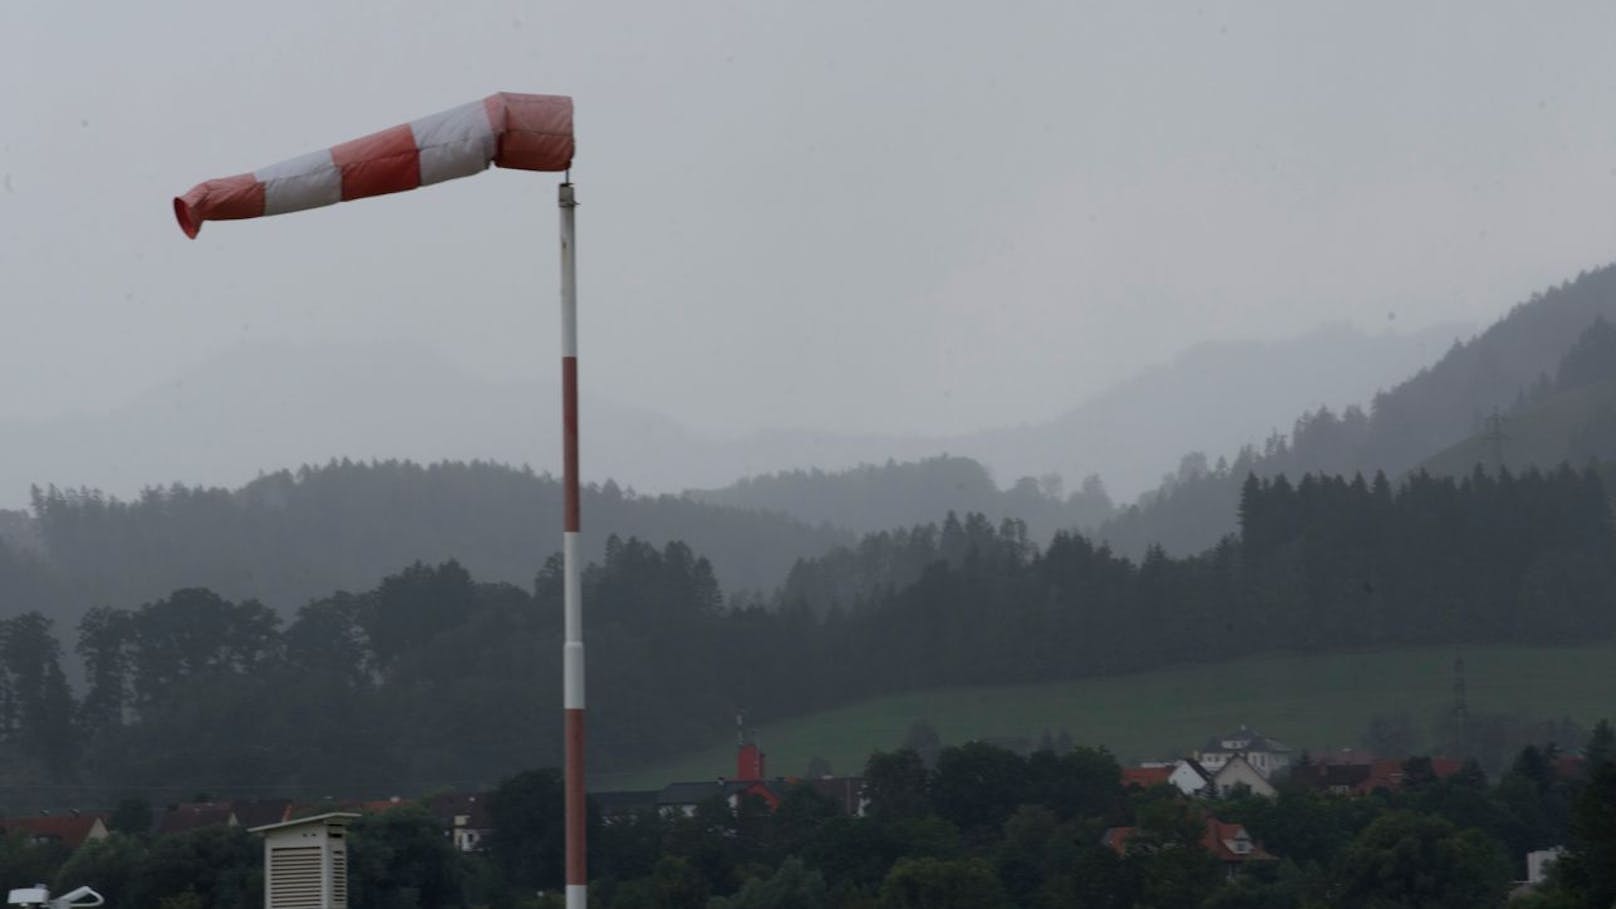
916,217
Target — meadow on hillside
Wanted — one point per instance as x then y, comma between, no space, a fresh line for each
1312,702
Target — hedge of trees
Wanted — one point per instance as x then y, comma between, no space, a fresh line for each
985,828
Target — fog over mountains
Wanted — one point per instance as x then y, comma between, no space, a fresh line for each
265,406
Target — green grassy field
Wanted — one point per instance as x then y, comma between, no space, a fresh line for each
1313,702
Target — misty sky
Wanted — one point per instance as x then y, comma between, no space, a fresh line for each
917,217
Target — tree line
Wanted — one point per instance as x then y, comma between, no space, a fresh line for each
292,536
1554,343
872,498
981,827
432,678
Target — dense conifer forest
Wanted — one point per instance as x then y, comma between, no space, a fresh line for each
1554,343
292,536
433,678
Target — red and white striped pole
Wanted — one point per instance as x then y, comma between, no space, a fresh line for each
572,648
519,131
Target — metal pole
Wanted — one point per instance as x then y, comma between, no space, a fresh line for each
572,650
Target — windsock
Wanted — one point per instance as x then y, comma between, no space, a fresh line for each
526,132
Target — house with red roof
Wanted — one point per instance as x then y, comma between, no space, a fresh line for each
187,816
1336,778
1146,776
751,782
69,830
260,812
1392,774
1230,844
1187,776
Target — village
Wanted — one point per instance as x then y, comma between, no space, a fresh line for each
1240,764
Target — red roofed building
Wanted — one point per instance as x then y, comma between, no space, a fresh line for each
188,816
1146,777
68,830
260,812
1230,844
1390,775
846,791
1570,767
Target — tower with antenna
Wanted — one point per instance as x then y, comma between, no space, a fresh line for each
1495,438
1461,707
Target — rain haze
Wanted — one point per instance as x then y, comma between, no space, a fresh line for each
1032,454
891,225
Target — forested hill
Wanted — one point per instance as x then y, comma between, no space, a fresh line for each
873,498
289,537
430,679
1516,358
1571,417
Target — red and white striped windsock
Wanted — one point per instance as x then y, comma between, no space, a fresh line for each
526,132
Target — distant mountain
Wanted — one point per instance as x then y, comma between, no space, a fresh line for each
267,405
873,498
1215,396
1500,369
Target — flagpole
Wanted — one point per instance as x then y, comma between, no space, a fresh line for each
572,652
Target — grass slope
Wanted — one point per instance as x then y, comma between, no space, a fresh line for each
1543,436
1313,702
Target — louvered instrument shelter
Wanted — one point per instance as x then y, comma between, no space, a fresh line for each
306,862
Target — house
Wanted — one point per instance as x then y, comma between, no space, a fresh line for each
1146,776
1390,774
1237,773
623,804
1190,778
299,810
187,816
464,817
846,791
684,798
1571,767
1230,844
750,781
261,812
1187,776
1538,862
1334,778
69,830
1265,755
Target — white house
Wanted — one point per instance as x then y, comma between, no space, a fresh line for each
1265,755
1537,864
1237,772
1190,778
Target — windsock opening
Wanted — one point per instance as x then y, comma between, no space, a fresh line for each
182,214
